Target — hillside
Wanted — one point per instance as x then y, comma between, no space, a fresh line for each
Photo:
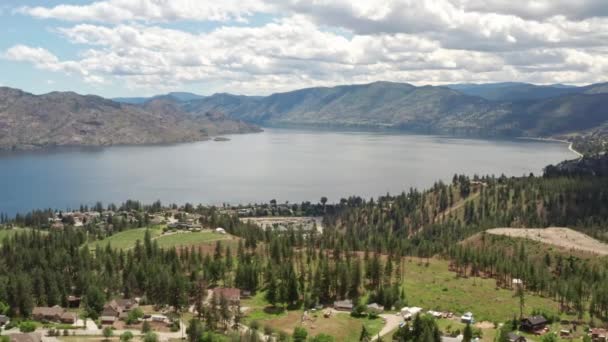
427,109
30,121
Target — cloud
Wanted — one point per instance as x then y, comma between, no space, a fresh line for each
114,11
327,42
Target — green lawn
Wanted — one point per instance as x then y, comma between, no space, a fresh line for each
190,239
125,239
436,288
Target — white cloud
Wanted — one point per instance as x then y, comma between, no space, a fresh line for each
328,42
114,11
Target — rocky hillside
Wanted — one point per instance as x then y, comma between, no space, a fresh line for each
30,121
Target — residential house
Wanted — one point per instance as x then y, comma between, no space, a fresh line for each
68,318
344,305
598,335
233,295
73,301
4,320
533,324
117,308
409,312
513,337
44,313
375,307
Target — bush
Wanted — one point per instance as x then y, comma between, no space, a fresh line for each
300,334
145,328
150,337
108,332
26,327
358,310
126,336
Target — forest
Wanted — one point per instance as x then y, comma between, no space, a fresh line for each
358,256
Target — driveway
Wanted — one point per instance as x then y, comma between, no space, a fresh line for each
391,322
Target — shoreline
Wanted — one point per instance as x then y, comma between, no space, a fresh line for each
570,144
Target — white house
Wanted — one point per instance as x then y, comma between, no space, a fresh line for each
409,312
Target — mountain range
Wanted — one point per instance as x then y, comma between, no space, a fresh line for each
490,110
30,121
501,109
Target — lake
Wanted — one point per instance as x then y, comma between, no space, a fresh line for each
283,164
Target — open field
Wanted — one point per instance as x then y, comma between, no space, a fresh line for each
560,237
188,239
434,287
10,232
125,239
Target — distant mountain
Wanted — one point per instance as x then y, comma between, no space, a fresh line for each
513,91
179,96
426,109
67,119
505,109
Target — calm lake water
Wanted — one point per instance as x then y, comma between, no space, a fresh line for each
284,164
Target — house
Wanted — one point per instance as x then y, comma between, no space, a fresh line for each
598,335
26,337
68,318
108,317
125,304
73,301
513,337
44,313
534,323
409,312
4,320
375,307
344,305
467,318
159,318
232,295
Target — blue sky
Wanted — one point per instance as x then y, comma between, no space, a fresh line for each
143,47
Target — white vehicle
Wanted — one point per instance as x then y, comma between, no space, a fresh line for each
467,318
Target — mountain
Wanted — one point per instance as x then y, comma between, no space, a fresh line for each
179,96
427,109
67,119
512,91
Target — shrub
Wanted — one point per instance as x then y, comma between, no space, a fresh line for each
26,327
126,336
150,337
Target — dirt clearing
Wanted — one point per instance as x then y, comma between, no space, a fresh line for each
561,237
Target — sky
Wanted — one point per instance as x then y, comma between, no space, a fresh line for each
256,47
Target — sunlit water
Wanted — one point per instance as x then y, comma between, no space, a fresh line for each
283,164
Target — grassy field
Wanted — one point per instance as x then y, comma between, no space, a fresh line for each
342,326
125,239
434,287
190,239
10,232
